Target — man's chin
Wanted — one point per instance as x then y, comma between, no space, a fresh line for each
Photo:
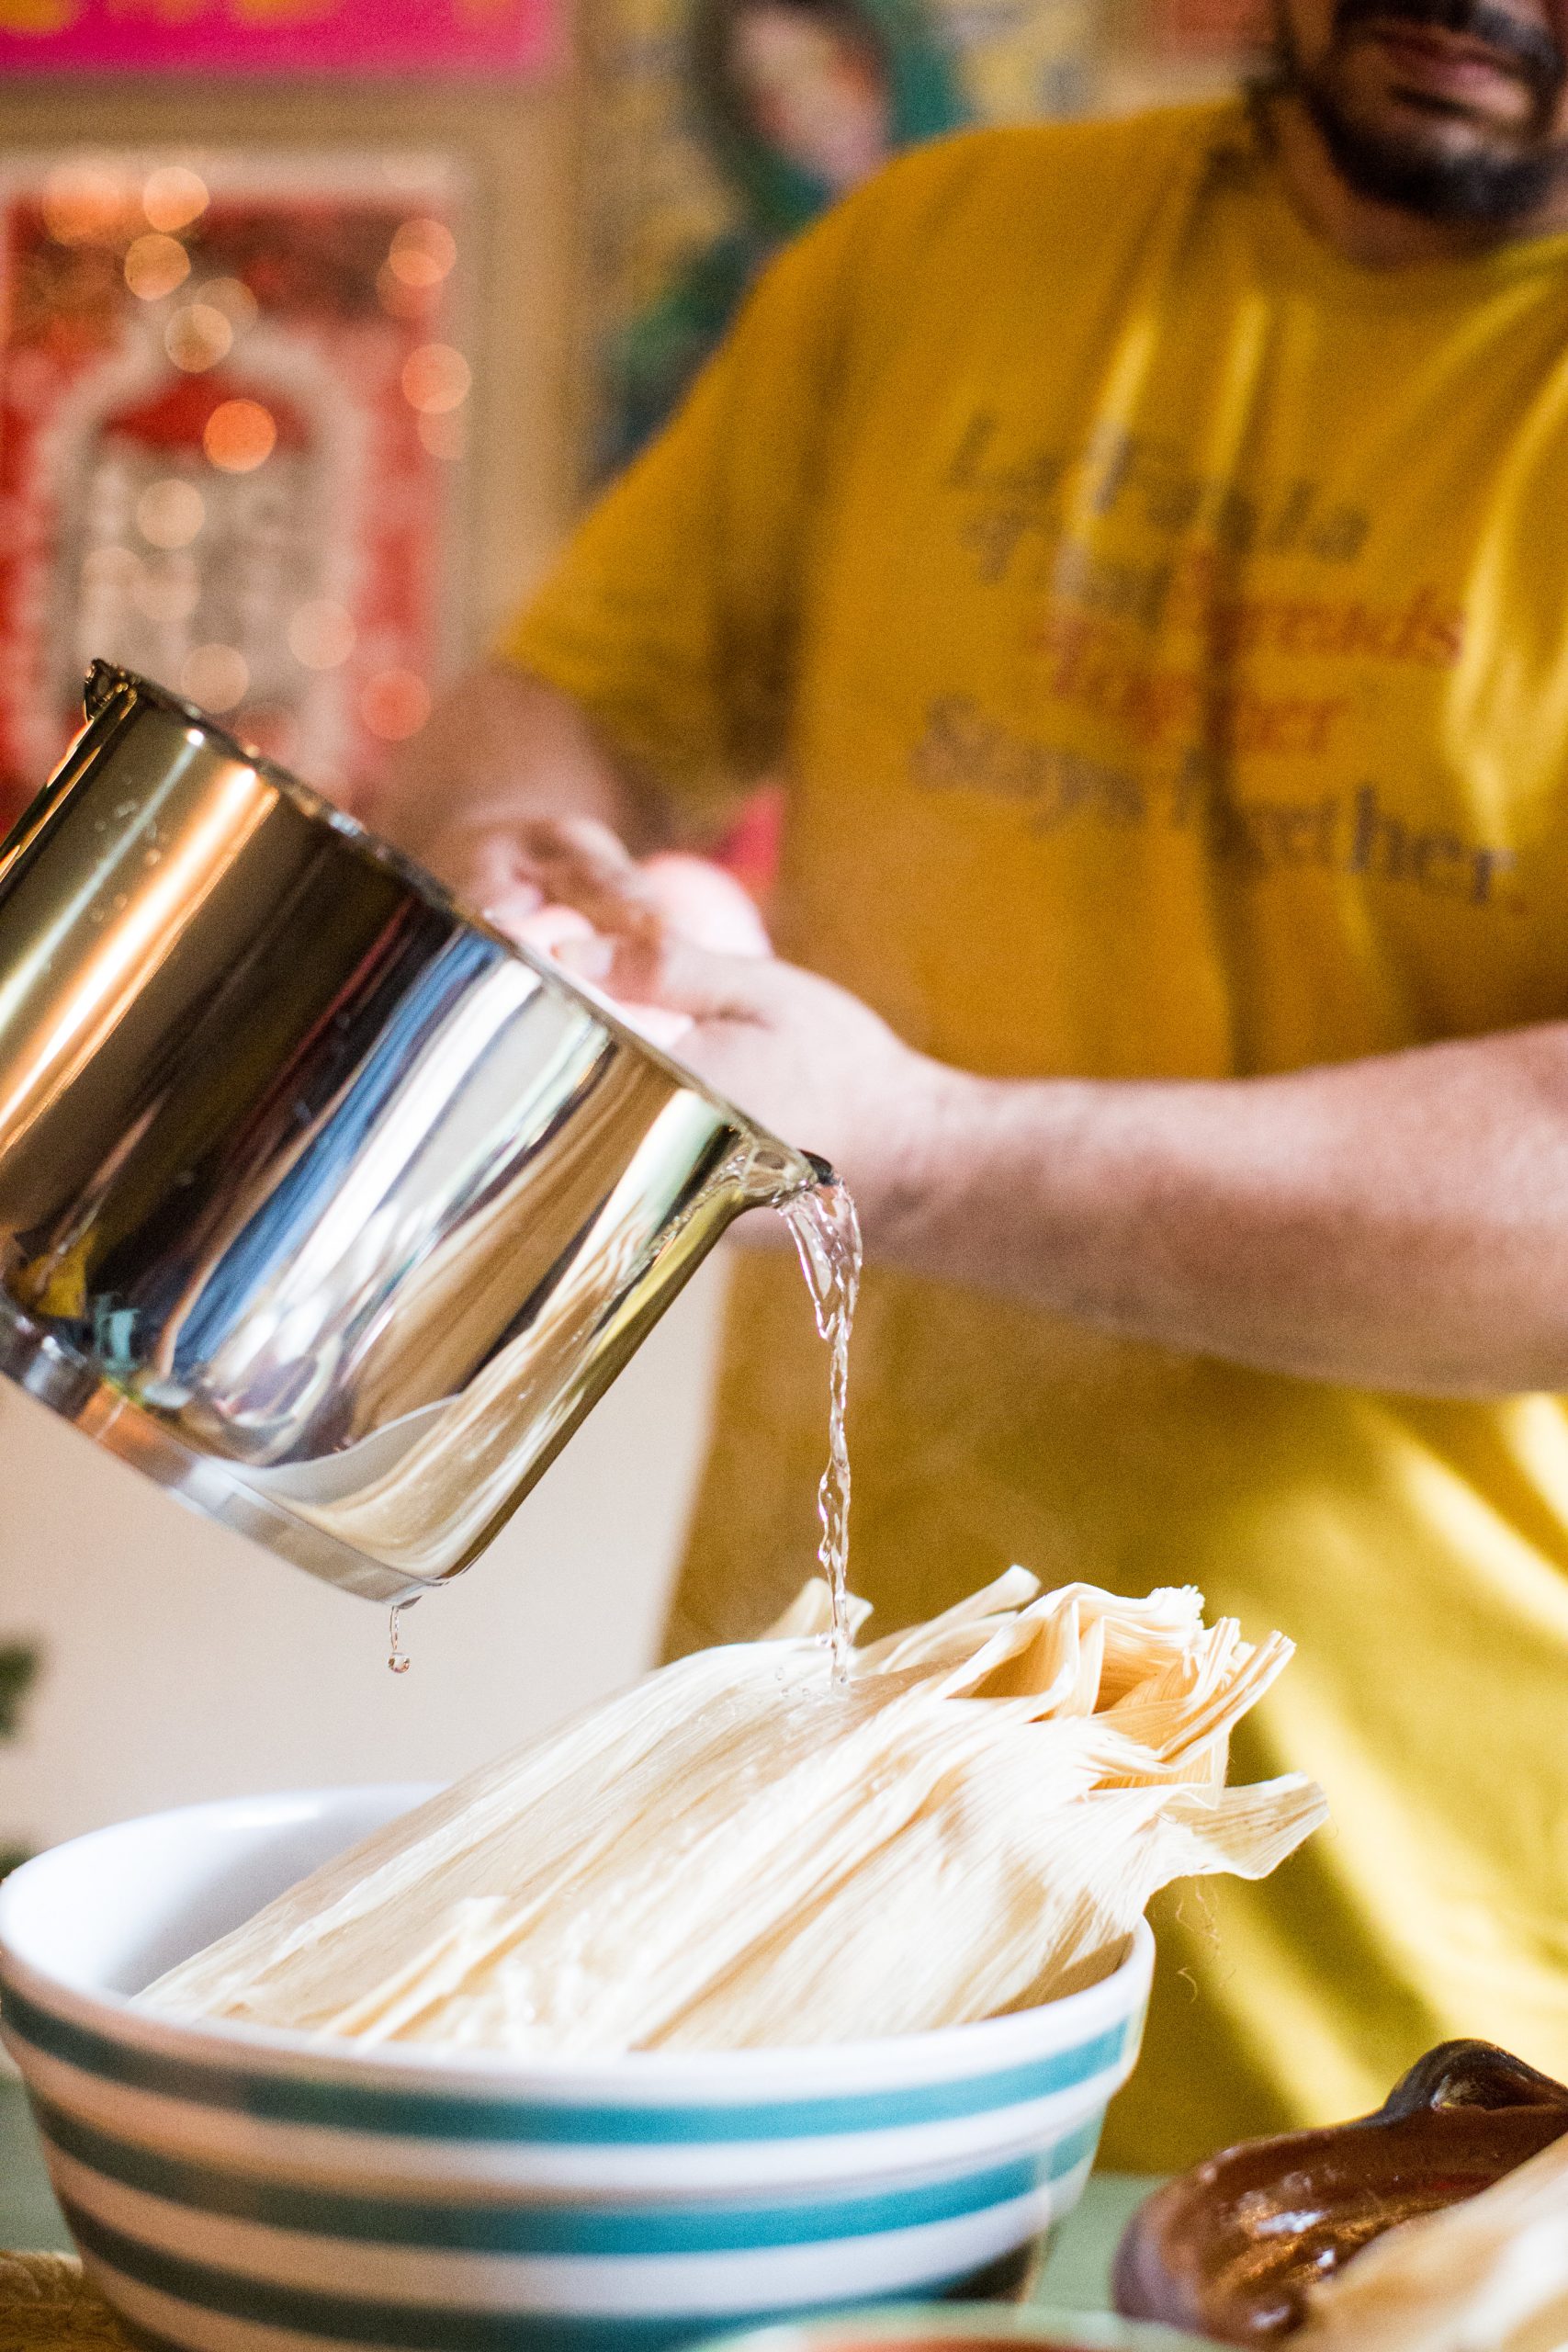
1409,136
1439,163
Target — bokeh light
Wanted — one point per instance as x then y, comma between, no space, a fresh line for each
113,571
233,298
395,705
436,378
423,252
272,731
197,336
156,265
401,300
215,675
174,196
84,203
170,513
240,437
320,634
169,595
445,433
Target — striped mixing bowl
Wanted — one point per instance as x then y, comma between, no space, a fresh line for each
233,2189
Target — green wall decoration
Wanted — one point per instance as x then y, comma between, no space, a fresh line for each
18,1670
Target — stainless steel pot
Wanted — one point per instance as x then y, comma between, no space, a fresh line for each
320,1202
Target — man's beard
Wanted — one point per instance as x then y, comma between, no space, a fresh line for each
1418,175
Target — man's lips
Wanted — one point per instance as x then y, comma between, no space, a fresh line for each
1433,62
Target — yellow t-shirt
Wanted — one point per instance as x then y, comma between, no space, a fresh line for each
1162,626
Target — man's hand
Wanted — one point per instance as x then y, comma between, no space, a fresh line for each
802,1057
501,749
677,937
585,884
580,866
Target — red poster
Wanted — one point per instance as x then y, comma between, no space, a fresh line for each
274,36
230,409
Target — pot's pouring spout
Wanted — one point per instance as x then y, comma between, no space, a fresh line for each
772,1173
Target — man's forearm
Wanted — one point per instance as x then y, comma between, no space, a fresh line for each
1398,1223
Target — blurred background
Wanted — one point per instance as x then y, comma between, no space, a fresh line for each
319,321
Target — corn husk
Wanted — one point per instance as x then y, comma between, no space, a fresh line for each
1489,2275
732,1853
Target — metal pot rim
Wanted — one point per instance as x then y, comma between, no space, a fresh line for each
104,679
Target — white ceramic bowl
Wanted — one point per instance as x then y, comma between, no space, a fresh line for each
233,2189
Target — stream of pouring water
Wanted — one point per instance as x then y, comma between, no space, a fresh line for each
827,1237
826,1231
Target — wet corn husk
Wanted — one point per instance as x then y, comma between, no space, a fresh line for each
1490,2275
732,1853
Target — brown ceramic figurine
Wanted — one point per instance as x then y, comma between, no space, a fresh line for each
1229,2250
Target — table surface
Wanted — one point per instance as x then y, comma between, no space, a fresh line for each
1076,2278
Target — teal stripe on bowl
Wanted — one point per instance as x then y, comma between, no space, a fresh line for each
569,2229
544,2332
438,2115
413,2327
553,2331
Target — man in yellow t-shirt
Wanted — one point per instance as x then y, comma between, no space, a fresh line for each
1140,548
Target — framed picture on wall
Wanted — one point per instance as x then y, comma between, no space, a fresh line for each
724,127
241,37
233,399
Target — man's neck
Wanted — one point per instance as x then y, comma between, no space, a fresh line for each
1377,235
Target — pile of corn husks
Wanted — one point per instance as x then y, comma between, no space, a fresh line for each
733,1853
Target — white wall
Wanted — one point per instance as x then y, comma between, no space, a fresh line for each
182,1663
